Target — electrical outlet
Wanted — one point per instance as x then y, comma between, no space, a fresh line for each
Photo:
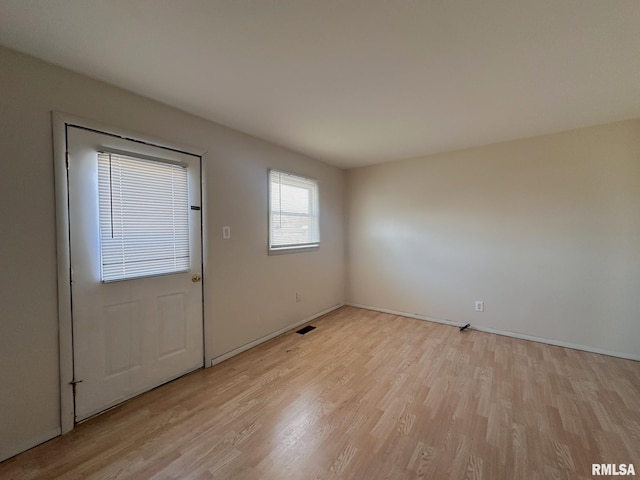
479,306
226,232
298,298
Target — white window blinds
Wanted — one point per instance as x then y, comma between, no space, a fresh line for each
293,219
144,217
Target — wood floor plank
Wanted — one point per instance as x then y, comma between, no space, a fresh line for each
366,395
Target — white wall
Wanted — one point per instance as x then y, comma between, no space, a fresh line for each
247,294
546,231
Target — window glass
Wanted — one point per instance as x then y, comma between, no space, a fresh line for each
293,218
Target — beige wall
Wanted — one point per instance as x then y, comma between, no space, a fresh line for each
546,231
248,294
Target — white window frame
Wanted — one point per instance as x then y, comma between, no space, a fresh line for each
292,248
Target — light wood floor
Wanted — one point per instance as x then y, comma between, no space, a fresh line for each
366,395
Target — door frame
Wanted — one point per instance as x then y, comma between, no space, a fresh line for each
60,123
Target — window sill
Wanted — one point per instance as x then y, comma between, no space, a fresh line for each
286,250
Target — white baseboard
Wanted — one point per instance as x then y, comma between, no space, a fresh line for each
506,333
236,351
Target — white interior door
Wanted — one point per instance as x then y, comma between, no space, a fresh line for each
133,334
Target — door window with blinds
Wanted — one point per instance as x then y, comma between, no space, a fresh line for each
293,212
144,217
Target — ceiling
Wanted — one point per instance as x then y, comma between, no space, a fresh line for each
354,82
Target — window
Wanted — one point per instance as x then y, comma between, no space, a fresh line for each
293,216
144,217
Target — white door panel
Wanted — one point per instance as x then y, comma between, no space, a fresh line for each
131,335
